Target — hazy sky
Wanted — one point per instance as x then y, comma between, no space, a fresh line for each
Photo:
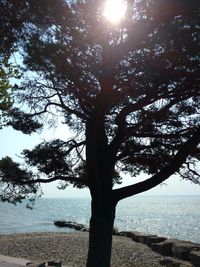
13,142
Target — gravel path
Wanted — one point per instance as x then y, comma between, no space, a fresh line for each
71,249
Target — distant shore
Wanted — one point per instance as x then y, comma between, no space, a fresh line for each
71,249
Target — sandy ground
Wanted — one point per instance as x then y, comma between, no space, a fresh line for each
71,249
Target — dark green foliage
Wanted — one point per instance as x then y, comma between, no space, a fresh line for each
16,20
15,184
22,121
7,72
49,158
11,171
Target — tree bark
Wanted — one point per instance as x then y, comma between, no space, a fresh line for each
100,168
100,235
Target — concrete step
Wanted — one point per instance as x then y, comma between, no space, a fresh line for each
7,261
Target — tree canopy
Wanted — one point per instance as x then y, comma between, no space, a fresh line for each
129,92
140,78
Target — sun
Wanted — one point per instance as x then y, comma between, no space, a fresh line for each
114,10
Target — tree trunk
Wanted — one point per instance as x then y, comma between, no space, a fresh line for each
100,235
100,170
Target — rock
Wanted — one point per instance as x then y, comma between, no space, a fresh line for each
141,237
36,264
77,226
69,224
136,236
45,264
165,247
61,223
195,258
182,249
154,239
172,262
54,263
85,229
115,231
129,234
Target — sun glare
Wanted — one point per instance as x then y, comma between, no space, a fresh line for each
114,10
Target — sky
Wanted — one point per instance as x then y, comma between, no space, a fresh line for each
13,142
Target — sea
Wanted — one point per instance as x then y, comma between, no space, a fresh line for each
169,216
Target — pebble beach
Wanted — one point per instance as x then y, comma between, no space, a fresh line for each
71,249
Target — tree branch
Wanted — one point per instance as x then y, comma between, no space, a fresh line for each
71,111
125,131
55,178
162,175
75,145
122,130
181,133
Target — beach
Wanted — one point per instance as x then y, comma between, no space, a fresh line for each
71,249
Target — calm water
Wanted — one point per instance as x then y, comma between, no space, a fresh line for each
177,217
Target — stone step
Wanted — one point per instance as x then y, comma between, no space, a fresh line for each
173,262
182,249
195,258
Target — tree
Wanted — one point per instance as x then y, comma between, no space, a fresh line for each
129,92
11,190
7,71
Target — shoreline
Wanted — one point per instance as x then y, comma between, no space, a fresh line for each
71,249
130,249
176,219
